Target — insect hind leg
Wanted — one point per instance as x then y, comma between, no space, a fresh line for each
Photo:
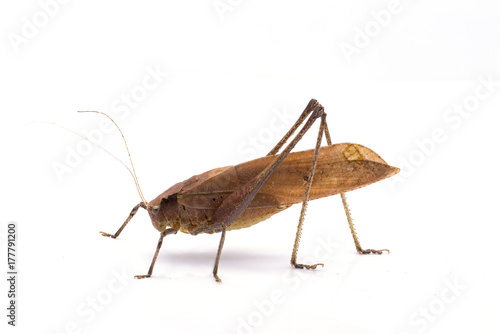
353,232
359,249
309,108
293,260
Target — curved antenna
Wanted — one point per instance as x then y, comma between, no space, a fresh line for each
128,152
90,141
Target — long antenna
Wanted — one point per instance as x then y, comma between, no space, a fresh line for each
128,152
90,141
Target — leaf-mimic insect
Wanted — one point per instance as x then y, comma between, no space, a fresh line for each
235,197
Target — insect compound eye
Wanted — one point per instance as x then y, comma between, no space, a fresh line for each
155,210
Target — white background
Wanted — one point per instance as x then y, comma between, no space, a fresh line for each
230,73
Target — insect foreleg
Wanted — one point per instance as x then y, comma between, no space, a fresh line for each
132,213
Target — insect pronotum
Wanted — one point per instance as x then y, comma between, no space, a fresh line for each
235,197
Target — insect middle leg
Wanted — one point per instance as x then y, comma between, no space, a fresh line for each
132,214
217,258
160,242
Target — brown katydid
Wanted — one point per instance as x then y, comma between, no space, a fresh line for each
235,197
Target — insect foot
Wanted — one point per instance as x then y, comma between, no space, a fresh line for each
104,234
142,276
307,266
373,251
